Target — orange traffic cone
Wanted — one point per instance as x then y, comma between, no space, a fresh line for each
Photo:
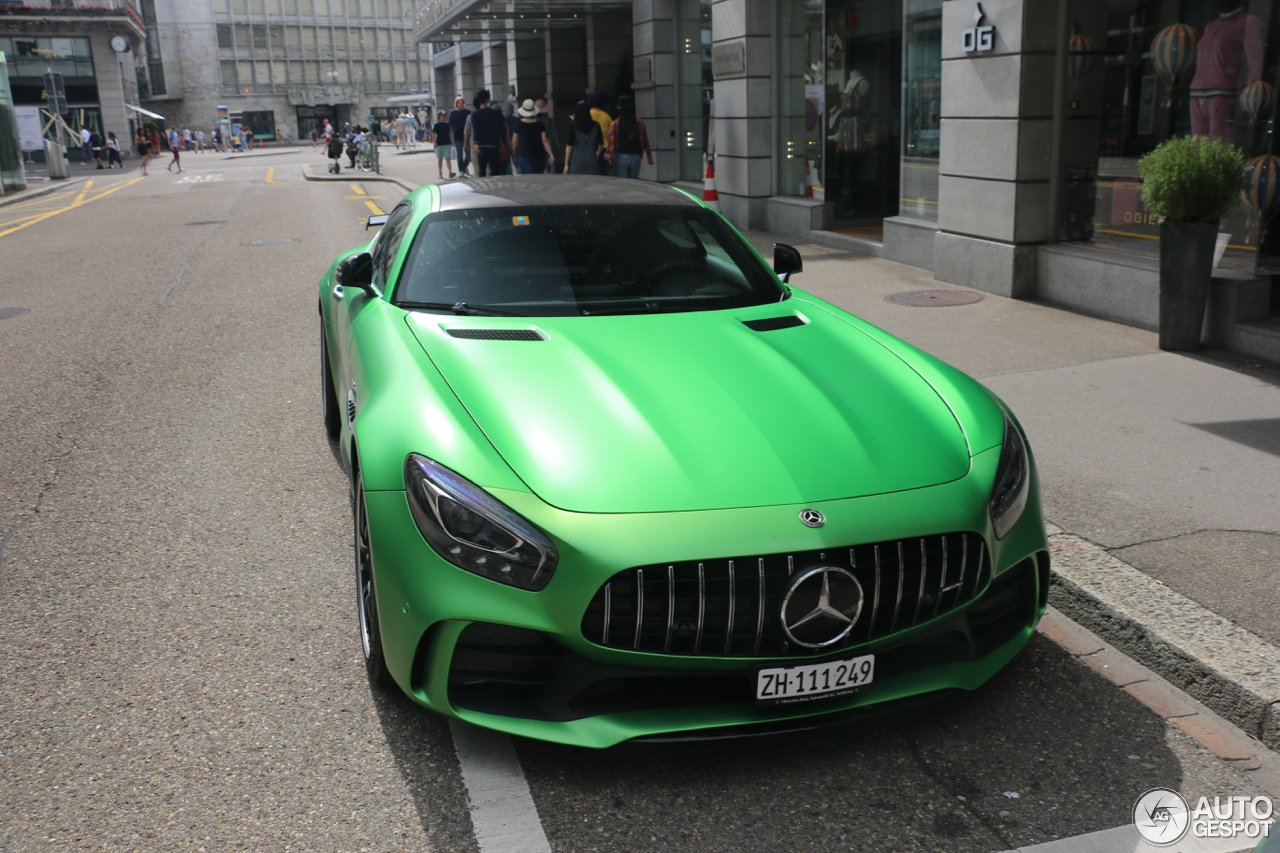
709,195
808,179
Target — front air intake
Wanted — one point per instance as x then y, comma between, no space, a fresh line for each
497,334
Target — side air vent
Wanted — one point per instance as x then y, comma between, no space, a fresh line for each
497,334
771,324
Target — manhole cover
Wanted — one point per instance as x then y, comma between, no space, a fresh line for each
6,313
271,242
934,298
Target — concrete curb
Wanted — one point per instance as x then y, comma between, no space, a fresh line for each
29,193
309,175
1231,670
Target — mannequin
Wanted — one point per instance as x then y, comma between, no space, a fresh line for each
1234,36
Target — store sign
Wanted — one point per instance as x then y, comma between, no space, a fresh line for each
979,38
729,58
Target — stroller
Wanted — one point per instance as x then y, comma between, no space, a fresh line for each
334,151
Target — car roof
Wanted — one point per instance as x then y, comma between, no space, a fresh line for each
530,190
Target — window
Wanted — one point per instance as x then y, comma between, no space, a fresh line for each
582,261
388,244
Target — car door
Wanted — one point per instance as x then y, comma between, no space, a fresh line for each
350,305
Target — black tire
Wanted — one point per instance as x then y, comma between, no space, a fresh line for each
332,411
375,660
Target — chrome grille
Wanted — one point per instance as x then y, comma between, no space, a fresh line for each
730,607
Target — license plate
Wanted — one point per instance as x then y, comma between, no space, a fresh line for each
786,685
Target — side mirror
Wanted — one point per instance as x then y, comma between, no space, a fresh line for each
786,260
356,271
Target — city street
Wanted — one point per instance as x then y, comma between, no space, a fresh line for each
181,663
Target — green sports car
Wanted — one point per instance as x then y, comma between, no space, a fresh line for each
614,478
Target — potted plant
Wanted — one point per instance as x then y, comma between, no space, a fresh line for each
1191,182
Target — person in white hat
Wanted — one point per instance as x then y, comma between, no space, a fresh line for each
531,148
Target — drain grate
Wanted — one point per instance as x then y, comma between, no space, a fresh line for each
934,298
9,313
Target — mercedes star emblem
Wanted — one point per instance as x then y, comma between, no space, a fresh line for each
821,607
812,518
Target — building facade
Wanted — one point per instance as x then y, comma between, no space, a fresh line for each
283,66
995,143
94,45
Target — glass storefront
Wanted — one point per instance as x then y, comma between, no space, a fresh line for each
800,98
922,110
1195,67
859,108
695,86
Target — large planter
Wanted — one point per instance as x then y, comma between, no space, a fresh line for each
1186,268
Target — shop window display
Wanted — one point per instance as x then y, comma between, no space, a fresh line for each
862,125
1197,67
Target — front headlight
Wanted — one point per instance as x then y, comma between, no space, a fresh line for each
1013,481
466,526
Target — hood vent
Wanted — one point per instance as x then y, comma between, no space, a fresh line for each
770,324
497,334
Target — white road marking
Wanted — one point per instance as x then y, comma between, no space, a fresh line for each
1125,839
502,810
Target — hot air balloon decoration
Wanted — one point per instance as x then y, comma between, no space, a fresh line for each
1174,51
1080,55
1257,99
1263,189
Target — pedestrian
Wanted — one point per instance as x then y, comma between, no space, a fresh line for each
486,135
333,149
628,140
143,145
532,149
506,159
596,99
95,148
314,136
248,139
113,150
442,139
354,138
553,136
153,134
175,147
458,124
582,155
85,135
188,141
199,141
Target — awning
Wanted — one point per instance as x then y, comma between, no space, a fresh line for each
474,20
147,113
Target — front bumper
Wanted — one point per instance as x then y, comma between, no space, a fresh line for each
519,662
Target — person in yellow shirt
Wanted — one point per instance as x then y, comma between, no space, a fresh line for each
596,100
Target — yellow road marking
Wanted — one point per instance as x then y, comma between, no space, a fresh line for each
374,207
80,201
357,189
83,192
361,197
270,172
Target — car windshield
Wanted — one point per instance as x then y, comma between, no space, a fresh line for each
586,260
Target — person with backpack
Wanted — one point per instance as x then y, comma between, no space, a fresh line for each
95,147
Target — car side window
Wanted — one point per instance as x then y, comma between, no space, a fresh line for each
384,251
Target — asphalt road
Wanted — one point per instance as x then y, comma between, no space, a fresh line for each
179,663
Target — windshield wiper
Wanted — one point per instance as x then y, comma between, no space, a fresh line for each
460,308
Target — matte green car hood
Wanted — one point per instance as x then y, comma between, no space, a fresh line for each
697,411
